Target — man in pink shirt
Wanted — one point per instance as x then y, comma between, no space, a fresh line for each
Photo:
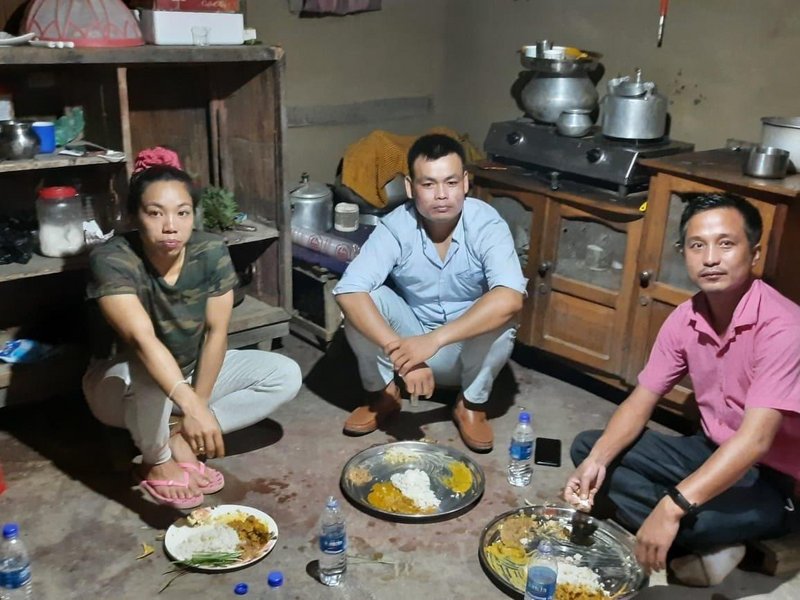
739,340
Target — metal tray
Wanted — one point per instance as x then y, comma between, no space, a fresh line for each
384,460
603,546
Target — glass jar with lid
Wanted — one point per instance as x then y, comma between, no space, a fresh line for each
60,215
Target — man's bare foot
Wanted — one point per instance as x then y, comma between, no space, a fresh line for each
169,471
182,453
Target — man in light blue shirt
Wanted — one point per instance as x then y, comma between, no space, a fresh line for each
433,296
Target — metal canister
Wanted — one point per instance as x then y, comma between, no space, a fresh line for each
312,205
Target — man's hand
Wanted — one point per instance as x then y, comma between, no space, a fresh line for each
201,431
408,353
656,535
419,381
583,484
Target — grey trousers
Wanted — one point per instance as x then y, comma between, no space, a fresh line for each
756,507
471,365
251,384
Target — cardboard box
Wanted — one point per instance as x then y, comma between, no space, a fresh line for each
174,28
226,6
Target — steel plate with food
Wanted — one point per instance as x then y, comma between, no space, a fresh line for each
220,538
595,558
412,480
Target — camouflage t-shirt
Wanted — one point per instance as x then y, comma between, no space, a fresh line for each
177,311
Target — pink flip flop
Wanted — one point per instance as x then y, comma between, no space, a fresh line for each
149,486
216,480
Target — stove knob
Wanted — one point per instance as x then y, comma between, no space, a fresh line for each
594,155
514,138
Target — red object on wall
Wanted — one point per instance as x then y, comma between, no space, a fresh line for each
2,481
226,6
87,23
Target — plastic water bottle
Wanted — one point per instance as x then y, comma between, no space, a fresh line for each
274,586
15,565
332,544
542,574
520,451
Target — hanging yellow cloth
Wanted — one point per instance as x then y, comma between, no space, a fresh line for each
373,161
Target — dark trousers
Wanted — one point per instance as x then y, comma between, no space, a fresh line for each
754,508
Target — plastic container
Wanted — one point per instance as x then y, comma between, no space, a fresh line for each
542,574
275,589
520,451
6,104
345,216
332,544
15,566
60,215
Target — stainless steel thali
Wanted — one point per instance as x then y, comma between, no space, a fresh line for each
577,538
377,464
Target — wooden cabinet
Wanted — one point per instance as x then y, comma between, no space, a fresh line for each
604,316
219,107
580,263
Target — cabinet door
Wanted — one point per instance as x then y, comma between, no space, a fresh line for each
525,214
584,285
662,280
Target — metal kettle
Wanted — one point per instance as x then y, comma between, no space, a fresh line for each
312,205
633,109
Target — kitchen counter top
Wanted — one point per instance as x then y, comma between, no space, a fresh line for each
723,166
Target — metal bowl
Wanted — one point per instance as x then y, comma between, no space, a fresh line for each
380,462
602,546
565,66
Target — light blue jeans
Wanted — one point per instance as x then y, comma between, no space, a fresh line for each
250,385
471,365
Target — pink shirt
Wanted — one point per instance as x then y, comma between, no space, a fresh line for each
756,364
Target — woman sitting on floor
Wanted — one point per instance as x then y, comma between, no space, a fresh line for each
167,292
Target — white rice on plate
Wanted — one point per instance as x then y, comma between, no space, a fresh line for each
416,485
215,537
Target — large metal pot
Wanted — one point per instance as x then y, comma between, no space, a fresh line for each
559,85
312,205
782,132
633,109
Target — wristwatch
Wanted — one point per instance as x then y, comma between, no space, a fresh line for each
687,507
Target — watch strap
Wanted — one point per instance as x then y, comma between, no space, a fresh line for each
687,507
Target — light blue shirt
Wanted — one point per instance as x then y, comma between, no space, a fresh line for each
481,257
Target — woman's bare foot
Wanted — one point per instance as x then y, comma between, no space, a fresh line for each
182,453
165,472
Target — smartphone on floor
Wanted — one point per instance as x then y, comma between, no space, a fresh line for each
548,452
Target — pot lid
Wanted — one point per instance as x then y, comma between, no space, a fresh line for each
309,190
792,122
625,86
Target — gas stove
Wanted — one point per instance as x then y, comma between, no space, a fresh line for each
596,160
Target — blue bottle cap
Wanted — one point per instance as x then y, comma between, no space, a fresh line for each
275,579
332,502
545,547
240,589
10,530
524,417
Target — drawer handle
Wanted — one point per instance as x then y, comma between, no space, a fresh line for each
645,277
544,268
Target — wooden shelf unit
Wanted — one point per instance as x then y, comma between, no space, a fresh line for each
220,108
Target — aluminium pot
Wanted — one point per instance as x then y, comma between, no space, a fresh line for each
782,132
633,109
312,205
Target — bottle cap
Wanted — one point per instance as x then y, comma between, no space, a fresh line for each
10,530
240,589
275,579
524,417
332,502
545,547
57,192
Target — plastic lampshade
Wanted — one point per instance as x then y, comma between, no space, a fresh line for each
87,23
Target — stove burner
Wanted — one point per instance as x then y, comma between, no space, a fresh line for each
595,159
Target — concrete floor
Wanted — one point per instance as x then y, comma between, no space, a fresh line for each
69,488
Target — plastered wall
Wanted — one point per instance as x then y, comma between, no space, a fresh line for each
393,56
723,64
